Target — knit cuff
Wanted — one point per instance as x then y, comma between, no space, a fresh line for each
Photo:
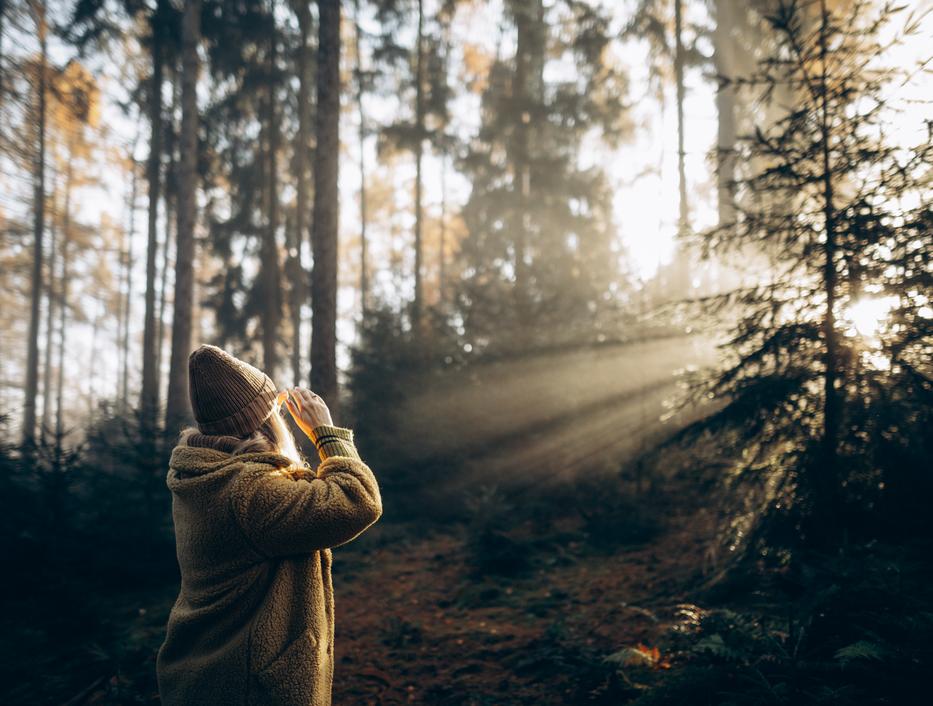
334,441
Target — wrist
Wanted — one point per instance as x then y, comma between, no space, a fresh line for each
330,440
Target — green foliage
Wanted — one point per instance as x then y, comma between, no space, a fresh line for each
539,263
388,365
861,650
613,516
491,548
853,629
840,215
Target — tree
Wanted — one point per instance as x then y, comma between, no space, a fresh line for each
683,220
149,399
302,168
724,59
844,216
326,207
359,75
38,233
177,404
539,262
127,267
427,91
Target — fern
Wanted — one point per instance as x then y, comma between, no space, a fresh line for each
715,646
861,650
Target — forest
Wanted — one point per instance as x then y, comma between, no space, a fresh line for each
629,304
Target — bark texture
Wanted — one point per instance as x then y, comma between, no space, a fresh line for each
177,407
326,208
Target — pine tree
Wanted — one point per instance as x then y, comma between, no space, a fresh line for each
538,261
844,216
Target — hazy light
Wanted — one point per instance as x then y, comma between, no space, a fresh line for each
867,316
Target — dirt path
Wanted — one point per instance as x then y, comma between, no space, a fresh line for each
415,626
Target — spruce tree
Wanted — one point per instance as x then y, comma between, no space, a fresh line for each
842,215
539,262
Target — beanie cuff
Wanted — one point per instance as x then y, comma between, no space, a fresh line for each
244,421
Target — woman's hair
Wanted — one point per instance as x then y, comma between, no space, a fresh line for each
272,435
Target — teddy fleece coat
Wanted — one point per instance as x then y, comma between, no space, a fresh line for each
254,619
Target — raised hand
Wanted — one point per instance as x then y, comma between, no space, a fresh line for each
307,409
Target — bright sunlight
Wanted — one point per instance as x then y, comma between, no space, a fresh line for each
868,316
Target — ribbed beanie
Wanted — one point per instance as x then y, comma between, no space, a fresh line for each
227,395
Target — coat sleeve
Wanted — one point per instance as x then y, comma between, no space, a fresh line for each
281,516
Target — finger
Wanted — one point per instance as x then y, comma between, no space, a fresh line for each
293,410
296,398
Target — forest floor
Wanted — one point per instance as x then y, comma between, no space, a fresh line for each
417,625
416,621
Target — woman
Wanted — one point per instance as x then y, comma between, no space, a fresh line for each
254,620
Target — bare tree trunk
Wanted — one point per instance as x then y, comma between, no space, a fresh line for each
831,402
63,310
442,254
724,58
297,285
170,201
128,294
680,266
419,157
49,330
269,252
177,406
149,401
364,243
2,74
92,368
38,232
171,214
683,218
526,90
326,207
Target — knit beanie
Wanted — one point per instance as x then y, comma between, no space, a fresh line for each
228,396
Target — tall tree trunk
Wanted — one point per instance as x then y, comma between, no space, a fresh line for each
2,71
171,216
831,401
176,410
360,91
442,247
724,59
419,158
92,357
680,266
527,90
302,165
326,207
170,201
269,252
50,300
149,401
63,309
38,231
128,293
683,217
